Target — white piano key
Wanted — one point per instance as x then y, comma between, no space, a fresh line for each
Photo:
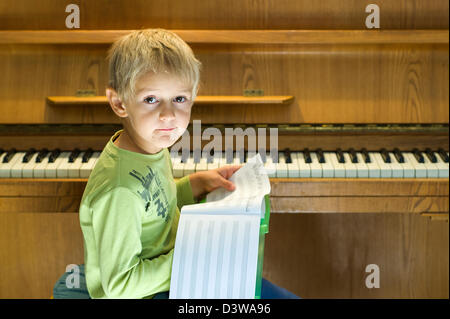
86,168
5,168
74,169
293,168
52,168
432,169
39,168
27,169
408,168
223,160
270,166
202,165
397,168
339,168
189,167
63,168
215,161
17,168
281,166
316,167
374,168
327,167
305,168
350,168
178,166
1,160
442,167
361,167
385,168
420,171
237,158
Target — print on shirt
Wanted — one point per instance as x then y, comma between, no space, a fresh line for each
152,193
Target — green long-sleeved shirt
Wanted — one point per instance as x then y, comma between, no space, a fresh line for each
129,217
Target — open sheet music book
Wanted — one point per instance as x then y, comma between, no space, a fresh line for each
216,249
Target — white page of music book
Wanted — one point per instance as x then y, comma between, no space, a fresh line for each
216,248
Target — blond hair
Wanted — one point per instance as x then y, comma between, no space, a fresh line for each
156,50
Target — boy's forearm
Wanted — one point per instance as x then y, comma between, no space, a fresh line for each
184,192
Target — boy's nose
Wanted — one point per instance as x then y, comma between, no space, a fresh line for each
167,113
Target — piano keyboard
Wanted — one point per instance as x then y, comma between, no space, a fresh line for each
290,164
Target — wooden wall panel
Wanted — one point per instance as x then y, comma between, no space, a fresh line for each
312,255
232,14
331,83
35,249
325,256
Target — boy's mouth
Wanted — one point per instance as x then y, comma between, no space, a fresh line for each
165,129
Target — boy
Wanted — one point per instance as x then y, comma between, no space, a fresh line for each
130,208
131,205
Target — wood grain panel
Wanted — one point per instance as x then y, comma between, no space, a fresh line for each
330,83
235,36
312,255
325,255
35,250
327,142
329,187
233,14
66,204
367,204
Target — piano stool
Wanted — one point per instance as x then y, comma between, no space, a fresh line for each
60,290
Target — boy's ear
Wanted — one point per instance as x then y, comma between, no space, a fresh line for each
116,104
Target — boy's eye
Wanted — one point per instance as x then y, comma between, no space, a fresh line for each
180,97
150,99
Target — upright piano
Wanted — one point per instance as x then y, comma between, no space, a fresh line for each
360,168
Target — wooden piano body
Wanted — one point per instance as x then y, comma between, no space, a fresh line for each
326,82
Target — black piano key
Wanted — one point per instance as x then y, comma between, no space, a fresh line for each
385,155
366,156
26,158
210,155
73,156
185,156
340,156
41,155
307,155
1,151
9,155
353,156
54,155
320,155
443,155
287,156
244,157
418,155
430,155
87,155
398,156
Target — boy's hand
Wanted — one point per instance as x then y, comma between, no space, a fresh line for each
206,181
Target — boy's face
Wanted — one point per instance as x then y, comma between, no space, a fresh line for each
159,113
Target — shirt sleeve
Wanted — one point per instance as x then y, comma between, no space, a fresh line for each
184,192
117,227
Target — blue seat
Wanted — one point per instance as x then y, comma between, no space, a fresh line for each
61,291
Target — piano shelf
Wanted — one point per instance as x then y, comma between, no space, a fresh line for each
200,100
258,37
